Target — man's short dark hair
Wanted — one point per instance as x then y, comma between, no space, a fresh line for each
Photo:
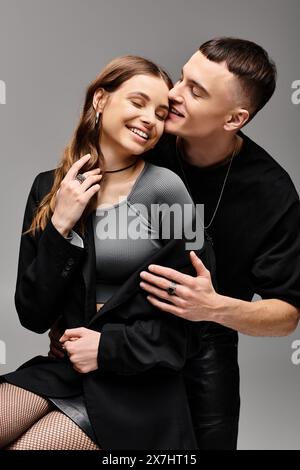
250,63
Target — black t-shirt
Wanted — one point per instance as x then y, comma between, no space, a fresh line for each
256,230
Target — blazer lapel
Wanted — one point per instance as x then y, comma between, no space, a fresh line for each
89,270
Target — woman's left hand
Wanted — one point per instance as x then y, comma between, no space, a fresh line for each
81,345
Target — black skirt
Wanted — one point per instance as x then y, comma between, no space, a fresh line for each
75,409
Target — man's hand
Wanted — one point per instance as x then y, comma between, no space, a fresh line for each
81,345
195,298
54,335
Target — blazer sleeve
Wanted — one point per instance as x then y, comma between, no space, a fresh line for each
143,345
47,263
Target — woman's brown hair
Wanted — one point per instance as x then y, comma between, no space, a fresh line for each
86,136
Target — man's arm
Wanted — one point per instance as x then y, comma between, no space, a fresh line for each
197,300
269,317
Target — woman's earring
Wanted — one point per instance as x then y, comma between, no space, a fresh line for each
97,118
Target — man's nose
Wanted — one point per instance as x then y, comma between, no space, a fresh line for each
174,94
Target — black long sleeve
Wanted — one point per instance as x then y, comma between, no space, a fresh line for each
47,262
143,345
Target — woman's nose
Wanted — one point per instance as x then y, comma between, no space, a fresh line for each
149,119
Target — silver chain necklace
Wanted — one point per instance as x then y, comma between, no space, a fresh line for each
234,153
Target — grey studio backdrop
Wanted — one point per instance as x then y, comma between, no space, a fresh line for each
49,51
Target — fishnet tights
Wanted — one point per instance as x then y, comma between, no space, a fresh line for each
28,422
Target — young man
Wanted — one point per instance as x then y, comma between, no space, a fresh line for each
252,214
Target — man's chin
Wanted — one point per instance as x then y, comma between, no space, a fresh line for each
171,128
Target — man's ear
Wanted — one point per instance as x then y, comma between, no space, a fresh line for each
99,99
237,119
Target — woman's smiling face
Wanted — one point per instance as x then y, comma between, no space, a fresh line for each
133,116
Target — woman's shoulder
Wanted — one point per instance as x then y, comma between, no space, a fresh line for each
164,185
42,183
44,177
164,177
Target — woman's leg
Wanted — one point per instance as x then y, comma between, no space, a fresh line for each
19,409
55,431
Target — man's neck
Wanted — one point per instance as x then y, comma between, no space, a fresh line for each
209,151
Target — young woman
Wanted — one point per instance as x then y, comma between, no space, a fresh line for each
118,385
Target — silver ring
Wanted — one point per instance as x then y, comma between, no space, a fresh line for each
172,288
80,177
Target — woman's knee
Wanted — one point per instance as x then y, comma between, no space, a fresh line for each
55,431
19,409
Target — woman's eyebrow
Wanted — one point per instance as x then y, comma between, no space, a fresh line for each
147,98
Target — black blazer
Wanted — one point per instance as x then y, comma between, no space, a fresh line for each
137,398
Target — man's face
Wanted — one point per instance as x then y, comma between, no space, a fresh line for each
205,96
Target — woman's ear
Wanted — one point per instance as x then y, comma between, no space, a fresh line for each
99,99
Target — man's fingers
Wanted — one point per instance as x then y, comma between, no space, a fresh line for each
165,307
172,275
198,265
161,283
162,294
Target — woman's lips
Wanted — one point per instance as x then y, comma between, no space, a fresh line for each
138,138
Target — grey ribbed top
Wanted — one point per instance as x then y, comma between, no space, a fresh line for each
128,233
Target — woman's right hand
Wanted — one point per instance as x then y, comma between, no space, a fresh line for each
73,196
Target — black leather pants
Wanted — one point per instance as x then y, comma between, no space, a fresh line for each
212,381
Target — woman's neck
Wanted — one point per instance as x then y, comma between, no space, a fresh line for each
114,160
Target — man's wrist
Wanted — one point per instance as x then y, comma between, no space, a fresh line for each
218,307
227,309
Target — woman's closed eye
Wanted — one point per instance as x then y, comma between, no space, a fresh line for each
160,117
138,105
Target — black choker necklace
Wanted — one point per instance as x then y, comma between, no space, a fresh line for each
121,169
